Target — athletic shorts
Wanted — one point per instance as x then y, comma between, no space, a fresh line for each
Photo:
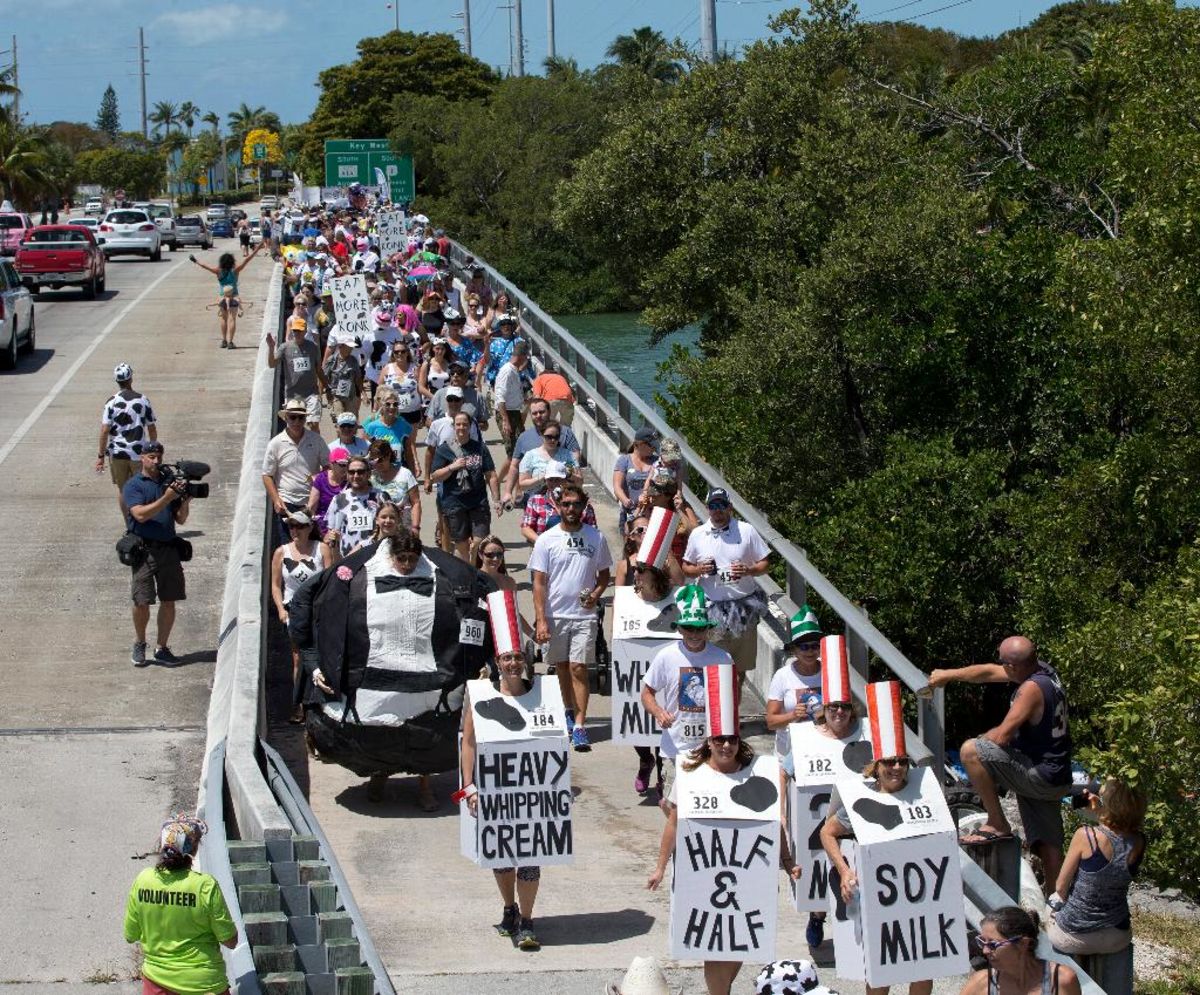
312,407
462,525
573,640
743,648
1039,802
523,873
160,575
122,469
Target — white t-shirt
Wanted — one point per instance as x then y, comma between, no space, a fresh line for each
738,542
509,392
570,561
442,430
785,684
676,676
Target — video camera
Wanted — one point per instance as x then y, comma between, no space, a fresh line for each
189,471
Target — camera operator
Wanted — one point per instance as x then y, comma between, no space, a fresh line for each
155,508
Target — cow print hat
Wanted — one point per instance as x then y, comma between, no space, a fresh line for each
786,977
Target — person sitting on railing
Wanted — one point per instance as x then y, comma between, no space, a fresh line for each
1029,752
725,555
1008,938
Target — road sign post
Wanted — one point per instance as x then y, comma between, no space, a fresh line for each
354,161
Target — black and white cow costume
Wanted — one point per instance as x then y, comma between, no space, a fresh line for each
398,649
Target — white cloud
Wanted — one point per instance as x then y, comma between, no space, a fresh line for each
221,21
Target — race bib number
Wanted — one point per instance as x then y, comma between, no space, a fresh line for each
919,814
543,720
694,730
471,632
361,521
704,803
725,575
575,542
819,765
301,364
343,388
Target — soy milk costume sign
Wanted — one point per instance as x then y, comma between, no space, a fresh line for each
351,306
633,647
723,898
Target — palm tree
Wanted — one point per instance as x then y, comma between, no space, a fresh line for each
646,50
560,68
188,112
22,161
246,118
163,116
213,118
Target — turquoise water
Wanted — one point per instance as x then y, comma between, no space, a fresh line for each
623,342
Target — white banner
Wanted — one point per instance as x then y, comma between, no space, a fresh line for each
912,909
807,808
632,725
499,718
351,305
390,227
523,806
723,897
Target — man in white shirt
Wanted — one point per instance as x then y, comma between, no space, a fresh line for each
292,459
571,566
673,688
510,401
724,556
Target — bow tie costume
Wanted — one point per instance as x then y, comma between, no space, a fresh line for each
396,649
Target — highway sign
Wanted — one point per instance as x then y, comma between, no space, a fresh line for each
260,150
354,161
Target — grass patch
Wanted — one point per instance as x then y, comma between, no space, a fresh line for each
1181,935
1184,982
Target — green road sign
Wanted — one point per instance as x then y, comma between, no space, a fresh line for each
260,151
355,160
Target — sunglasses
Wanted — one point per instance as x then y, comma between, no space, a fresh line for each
552,436
640,530
391,404
895,762
839,706
719,506
570,504
808,647
356,472
725,740
296,417
989,945
493,555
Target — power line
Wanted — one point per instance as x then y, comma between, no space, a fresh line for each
936,10
910,3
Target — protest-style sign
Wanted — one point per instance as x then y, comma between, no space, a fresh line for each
726,863
819,762
910,916
633,647
351,305
523,776
390,227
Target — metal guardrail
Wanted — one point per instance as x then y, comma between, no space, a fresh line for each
621,412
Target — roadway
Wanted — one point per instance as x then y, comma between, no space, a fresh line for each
94,753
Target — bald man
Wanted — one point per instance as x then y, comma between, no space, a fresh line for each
1029,752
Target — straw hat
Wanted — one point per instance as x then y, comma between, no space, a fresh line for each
644,977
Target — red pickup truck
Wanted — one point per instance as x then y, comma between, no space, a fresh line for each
54,256
13,228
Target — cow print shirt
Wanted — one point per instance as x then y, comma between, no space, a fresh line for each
128,416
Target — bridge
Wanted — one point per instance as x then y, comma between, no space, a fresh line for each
342,896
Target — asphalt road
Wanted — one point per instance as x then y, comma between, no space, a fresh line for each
94,753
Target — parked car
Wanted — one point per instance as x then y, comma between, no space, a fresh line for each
13,227
191,229
57,256
130,231
222,228
91,224
268,203
93,206
16,316
162,212
216,211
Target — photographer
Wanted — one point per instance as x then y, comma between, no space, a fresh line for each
155,508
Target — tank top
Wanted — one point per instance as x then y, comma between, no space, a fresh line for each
297,569
228,278
1049,980
406,389
1099,897
436,379
1047,742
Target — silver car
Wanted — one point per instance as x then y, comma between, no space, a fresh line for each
130,231
17,328
191,230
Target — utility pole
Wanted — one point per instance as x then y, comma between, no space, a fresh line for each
708,30
465,30
16,85
509,8
520,39
549,29
142,73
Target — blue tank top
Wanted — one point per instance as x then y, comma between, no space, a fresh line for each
1047,742
228,279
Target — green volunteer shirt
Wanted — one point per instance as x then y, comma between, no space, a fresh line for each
180,919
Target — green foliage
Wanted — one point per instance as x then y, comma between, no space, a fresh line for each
140,174
201,153
108,118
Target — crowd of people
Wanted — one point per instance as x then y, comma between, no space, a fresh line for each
386,434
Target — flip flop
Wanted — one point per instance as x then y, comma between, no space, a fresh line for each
978,837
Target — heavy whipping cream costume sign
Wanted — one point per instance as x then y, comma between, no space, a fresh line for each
639,629
351,306
820,761
522,772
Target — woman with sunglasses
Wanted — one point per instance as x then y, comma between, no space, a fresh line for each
397,482
489,559
400,376
1008,938
435,371
632,470
531,474
291,565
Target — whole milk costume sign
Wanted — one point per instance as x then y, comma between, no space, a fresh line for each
523,774
726,863
820,761
639,628
351,306
908,919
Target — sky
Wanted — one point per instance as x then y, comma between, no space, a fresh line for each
266,52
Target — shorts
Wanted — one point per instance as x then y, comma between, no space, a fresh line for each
244,238
122,469
516,425
312,407
160,575
462,525
414,418
743,648
573,640
523,873
341,404
562,411
1039,802
1109,940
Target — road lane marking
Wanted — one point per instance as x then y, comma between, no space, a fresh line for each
58,388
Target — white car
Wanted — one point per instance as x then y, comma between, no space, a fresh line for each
16,316
268,203
93,206
130,231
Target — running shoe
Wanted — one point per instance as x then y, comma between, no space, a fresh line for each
510,921
570,714
641,783
137,656
814,932
579,740
526,938
164,656
224,344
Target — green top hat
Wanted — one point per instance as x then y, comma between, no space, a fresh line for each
804,623
693,608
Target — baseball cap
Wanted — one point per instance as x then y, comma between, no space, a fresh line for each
347,418
152,447
645,434
454,392
556,470
717,494
339,454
